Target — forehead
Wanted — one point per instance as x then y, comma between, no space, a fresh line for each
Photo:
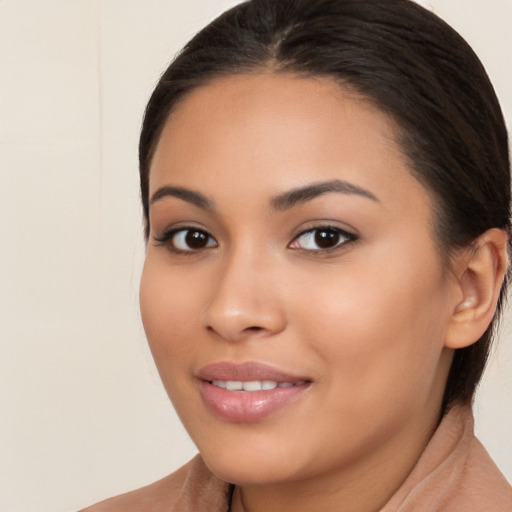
277,131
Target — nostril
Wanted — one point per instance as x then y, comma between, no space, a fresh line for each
253,328
225,333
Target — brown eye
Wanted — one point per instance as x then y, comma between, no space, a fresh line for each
196,239
321,239
189,239
327,238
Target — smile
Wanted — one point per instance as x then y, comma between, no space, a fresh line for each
254,385
248,392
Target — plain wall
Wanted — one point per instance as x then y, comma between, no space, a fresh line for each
83,413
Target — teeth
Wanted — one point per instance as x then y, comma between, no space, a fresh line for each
253,385
234,385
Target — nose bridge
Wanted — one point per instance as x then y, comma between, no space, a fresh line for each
244,299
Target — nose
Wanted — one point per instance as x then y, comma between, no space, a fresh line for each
245,300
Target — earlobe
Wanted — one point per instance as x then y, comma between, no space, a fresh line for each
482,270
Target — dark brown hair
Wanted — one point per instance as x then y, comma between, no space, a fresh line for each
407,62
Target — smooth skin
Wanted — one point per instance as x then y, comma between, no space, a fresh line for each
346,287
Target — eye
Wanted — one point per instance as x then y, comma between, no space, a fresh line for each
322,239
187,240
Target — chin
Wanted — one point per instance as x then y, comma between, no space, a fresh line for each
250,468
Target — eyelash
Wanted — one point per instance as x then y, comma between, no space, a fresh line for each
169,237
331,230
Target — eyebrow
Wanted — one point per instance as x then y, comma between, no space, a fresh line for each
281,202
301,195
185,194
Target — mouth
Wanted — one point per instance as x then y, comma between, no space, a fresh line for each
248,392
254,385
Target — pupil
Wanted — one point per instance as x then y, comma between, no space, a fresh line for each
196,239
326,239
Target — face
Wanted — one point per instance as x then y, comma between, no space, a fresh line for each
293,295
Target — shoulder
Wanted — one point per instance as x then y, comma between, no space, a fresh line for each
191,485
148,497
470,478
482,484
455,473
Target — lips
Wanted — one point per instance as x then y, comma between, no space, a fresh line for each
253,385
248,392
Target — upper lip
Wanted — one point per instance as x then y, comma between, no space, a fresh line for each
249,371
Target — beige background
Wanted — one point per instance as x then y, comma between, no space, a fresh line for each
82,412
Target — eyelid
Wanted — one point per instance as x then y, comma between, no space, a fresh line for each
349,238
173,228
169,233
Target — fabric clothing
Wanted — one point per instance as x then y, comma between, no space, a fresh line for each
453,474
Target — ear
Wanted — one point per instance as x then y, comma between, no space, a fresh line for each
481,271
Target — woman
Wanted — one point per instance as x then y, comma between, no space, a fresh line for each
326,194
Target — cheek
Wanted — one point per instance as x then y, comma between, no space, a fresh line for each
379,330
168,317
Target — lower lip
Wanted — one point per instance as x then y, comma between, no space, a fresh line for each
248,406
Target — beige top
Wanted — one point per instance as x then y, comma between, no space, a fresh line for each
454,474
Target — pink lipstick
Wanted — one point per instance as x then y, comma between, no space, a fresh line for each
248,392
